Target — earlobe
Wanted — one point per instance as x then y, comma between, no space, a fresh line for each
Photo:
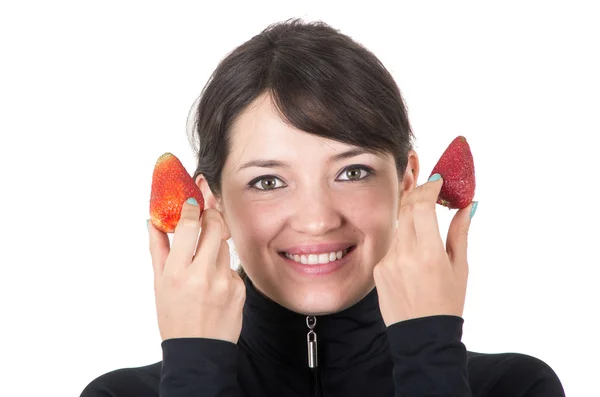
210,201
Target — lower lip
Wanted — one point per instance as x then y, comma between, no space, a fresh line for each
319,269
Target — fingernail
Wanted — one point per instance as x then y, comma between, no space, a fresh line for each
434,177
192,201
473,209
148,224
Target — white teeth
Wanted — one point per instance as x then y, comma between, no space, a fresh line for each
317,259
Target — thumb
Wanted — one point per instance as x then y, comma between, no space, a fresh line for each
458,234
159,248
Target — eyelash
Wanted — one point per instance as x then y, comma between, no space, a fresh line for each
370,171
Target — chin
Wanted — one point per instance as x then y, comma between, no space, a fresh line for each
318,304
318,300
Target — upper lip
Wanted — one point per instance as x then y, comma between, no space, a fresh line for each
317,248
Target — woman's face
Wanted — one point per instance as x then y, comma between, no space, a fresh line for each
309,217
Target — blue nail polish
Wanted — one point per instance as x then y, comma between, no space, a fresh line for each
192,201
473,209
434,177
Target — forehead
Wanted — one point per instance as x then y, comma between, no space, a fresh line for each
260,131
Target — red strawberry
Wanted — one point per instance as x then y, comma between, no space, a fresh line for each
171,187
458,172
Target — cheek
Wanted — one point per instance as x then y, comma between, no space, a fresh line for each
373,214
252,225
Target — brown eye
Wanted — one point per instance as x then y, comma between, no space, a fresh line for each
353,174
267,182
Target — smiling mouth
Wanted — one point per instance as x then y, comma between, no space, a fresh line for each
318,259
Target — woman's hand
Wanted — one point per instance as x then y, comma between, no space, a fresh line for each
198,295
419,277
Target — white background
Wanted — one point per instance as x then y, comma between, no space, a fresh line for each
92,93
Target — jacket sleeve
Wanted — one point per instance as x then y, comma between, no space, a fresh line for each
193,367
429,357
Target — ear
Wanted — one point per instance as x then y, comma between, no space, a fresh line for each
411,175
210,200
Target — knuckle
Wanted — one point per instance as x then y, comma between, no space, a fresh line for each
190,211
431,190
381,271
404,256
239,290
220,284
211,219
192,223
407,209
465,268
196,281
464,231
222,287
377,272
430,261
224,247
422,207
174,280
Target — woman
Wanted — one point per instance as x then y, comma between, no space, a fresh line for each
306,162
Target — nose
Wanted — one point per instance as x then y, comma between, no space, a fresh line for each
316,213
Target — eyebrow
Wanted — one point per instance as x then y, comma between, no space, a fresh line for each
279,164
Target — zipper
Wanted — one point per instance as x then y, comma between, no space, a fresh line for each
313,357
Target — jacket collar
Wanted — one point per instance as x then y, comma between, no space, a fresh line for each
278,335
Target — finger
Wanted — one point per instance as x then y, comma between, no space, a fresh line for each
457,240
406,228
427,192
406,215
223,258
427,231
210,241
185,237
225,234
425,218
159,248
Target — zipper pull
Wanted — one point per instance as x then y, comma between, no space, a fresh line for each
311,339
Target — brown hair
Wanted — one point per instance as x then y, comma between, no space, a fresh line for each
321,81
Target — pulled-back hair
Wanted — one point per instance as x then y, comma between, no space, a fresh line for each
321,82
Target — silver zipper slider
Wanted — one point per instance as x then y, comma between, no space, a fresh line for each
311,339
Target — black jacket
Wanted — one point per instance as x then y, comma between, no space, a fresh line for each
356,356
